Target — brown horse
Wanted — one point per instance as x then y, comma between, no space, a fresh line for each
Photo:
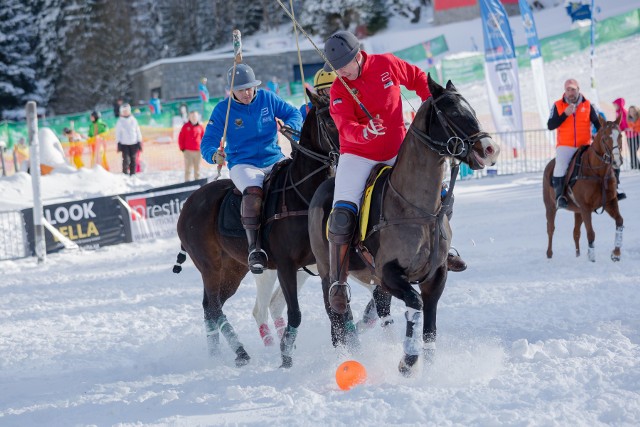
595,187
221,258
408,235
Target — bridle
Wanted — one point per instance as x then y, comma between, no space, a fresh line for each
458,143
607,156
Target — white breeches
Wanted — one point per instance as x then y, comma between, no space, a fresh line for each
563,157
244,175
351,177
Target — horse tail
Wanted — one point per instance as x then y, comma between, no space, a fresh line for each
182,257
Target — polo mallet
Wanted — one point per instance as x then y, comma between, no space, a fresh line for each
322,55
237,59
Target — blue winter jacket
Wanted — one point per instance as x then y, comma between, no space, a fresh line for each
252,134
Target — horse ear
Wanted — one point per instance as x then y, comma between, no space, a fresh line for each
602,120
619,119
450,86
435,89
312,96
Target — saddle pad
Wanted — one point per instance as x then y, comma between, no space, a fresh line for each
376,173
229,223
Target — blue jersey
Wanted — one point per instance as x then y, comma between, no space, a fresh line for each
252,133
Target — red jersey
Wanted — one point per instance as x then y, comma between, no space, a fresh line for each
190,136
378,89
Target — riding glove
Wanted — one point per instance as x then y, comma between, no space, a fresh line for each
219,157
374,128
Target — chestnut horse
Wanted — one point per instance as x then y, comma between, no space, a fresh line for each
222,259
595,187
408,234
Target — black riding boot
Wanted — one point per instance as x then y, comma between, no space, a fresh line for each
454,262
558,187
621,194
250,211
342,223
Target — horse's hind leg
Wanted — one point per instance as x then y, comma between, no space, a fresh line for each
219,286
614,212
591,236
551,227
577,223
264,288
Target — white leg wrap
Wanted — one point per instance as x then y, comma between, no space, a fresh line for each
618,241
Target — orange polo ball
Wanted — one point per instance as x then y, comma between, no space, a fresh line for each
349,374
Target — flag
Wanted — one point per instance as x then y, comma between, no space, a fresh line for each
537,64
501,68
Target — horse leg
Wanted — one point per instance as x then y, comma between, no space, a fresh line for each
431,293
278,303
264,288
342,325
379,307
392,274
614,212
219,286
577,223
551,227
591,236
287,278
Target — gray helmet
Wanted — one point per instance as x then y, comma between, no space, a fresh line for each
244,79
340,49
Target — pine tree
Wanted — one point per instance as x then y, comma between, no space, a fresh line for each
17,60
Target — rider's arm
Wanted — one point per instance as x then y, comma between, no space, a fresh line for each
286,112
412,77
593,116
213,132
555,119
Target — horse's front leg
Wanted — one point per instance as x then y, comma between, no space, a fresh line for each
264,288
591,236
393,280
613,210
287,278
343,329
431,293
551,227
577,223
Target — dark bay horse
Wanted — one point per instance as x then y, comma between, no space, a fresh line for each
594,188
222,259
408,235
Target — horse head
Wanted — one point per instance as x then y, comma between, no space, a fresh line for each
608,142
319,132
448,124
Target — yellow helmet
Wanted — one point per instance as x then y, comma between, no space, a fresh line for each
323,79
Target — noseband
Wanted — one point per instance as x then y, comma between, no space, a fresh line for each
458,143
607,157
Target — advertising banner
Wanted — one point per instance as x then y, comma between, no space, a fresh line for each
90,223
537,64
501,67
154,213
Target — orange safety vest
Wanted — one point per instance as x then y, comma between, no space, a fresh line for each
575,131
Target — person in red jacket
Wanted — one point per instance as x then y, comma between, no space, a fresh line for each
189,143
364,142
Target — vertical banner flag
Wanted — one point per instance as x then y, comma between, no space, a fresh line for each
594,96
537,64
501,68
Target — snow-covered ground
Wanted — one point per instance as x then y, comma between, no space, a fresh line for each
113,337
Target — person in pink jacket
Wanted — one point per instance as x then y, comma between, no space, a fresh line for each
364,142
621,112
189,143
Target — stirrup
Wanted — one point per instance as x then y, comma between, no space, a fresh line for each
257,261
622,195
561,203
340,298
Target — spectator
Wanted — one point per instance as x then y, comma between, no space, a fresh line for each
273,85
252,146
154,104
97,142
129,139
189,143
76,146
322,82
633,135
203,90
116,107
621,112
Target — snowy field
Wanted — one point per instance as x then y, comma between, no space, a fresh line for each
113,337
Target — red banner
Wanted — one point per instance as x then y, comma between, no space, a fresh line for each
452,4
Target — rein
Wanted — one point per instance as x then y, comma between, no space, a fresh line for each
327,161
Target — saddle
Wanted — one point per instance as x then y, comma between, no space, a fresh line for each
575,166
229,221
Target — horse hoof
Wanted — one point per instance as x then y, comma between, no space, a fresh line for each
615,258
406,365
287,362
242,358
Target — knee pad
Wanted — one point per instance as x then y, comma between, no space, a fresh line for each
342,222
251,207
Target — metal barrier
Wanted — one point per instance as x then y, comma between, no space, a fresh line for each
13,243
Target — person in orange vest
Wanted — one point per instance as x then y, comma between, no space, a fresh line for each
572,116
76,147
